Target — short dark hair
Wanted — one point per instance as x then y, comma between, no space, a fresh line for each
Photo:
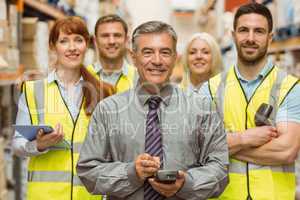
111,19
256,8
153,27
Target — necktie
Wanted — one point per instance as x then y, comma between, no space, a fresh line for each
153,143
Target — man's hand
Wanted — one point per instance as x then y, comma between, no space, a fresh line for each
258,136
146,166
44,141
168,190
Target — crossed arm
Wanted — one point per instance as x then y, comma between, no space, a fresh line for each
266,145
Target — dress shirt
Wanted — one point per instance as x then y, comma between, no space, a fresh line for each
72,97
190,89
193,138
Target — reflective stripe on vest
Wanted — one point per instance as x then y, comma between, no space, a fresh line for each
265,182
54,173
124,83
240,168
53,176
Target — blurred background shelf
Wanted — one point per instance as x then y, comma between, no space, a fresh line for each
290,44
45,8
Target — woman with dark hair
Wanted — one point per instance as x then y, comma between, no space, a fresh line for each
64,100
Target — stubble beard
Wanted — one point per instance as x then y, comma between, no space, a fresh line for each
118,57
252,61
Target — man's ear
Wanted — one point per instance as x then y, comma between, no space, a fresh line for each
94,41
233,36
270,38
132,56
177,56
232,33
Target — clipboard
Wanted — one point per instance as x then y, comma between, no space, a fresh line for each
30,131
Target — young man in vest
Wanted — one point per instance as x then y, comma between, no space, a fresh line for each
261,156
110,39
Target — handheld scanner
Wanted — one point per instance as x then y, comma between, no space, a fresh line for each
262,115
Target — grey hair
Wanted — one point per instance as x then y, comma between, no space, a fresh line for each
153,27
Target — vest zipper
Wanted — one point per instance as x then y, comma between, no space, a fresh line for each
246,124
248,182
72,138
247,164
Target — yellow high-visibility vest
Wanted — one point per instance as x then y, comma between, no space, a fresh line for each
260,181
53,175
124,83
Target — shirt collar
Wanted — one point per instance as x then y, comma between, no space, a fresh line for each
165,94
265,70
191,88
52,77
99,69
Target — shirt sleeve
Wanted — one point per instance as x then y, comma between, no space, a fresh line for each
290,107
96,168
21,146
210,178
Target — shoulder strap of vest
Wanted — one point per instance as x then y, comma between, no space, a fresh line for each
274,95
131,73
280,89
39,95
217,87
127,81
34,94
220,95
91,68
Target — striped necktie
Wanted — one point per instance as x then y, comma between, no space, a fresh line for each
153,143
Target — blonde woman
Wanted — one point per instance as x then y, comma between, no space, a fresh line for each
201,60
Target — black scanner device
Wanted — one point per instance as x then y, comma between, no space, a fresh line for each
262,115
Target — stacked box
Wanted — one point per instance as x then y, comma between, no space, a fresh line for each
13,26
3,37
41,43
28,45
296,5
3,44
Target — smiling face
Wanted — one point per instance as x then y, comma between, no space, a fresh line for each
154,58
70,50
252,38
111,41
199,58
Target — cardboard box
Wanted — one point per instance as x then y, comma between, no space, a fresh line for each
296,12
13,14
3,62
3,37
29,28
3,14
29,60
42,37
3,49
13,58
13,36
28,46
3,31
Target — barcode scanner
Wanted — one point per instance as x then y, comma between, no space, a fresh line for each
262,115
